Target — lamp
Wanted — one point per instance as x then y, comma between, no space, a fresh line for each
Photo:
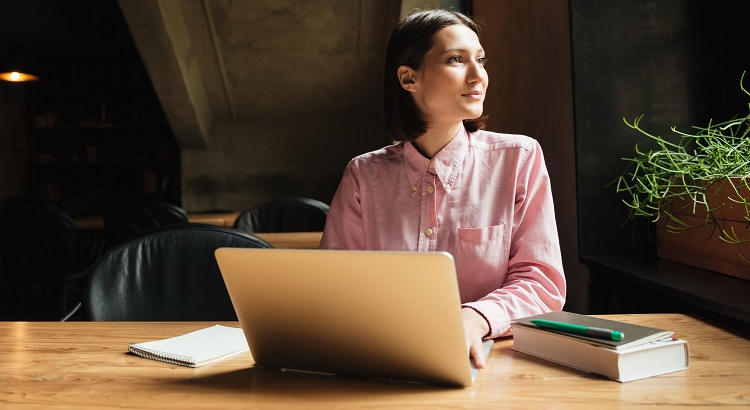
18,77
14,68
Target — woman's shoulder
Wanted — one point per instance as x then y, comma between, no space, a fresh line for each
378,157
493,141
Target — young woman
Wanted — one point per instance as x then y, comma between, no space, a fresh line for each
451,186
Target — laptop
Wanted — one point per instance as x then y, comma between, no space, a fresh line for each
379,314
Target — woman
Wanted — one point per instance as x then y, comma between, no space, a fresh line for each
451,186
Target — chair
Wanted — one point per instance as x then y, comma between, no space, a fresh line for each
43,259
169,274
134,218
284,215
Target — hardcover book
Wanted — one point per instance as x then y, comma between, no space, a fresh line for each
643,352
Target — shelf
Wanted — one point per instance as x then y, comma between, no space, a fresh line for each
720,294
97,127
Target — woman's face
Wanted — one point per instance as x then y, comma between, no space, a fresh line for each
450,86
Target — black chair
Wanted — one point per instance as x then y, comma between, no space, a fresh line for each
134,218
43,259
168,274
284,215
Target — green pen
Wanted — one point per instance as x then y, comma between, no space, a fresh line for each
596,332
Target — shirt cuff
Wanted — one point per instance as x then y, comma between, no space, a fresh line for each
496,316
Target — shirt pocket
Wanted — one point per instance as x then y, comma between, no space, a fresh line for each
482,258
479,236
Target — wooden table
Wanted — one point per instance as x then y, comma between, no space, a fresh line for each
86,364
292,240
289,240
221,219
94,222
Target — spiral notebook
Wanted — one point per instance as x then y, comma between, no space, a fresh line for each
195,349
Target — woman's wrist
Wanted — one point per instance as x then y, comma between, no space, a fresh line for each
480,326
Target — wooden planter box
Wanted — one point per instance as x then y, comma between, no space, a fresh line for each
701,246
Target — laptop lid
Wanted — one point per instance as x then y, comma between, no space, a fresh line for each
392,315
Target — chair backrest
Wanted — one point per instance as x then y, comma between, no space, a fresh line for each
169,274
134,218
39,241
284,215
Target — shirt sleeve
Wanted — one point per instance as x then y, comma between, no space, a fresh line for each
535,282
344,228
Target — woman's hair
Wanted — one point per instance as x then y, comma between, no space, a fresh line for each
407,45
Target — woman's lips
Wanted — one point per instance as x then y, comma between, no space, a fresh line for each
474,95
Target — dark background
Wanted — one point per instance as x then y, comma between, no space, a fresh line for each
95,131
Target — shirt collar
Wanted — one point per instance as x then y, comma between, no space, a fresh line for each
446,164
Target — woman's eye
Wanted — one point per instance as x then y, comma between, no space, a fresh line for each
482,60
455,59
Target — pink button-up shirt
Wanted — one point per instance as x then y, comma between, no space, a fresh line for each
485,198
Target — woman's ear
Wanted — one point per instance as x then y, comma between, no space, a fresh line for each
407,78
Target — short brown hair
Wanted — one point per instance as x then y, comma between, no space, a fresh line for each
407,45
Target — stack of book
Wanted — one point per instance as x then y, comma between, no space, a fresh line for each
591,344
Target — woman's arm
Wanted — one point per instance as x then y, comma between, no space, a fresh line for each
343,228
535,282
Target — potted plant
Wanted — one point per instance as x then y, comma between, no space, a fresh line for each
696,188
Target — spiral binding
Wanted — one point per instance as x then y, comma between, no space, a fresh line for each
181,360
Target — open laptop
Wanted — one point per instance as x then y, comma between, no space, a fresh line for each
391,315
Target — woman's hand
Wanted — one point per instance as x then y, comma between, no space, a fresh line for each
475,328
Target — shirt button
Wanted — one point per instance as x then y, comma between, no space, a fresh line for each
430,189
447,187
414,188
428,232
432,166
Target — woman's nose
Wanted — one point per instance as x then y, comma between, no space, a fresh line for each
475,73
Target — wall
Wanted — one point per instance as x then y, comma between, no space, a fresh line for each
251,161
409,6
306,87
531,93
266,98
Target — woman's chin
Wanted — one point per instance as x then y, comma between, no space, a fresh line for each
472,114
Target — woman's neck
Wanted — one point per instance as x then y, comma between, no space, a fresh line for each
436,137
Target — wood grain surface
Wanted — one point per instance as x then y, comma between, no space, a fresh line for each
226,219
86,365
292,240
288,240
